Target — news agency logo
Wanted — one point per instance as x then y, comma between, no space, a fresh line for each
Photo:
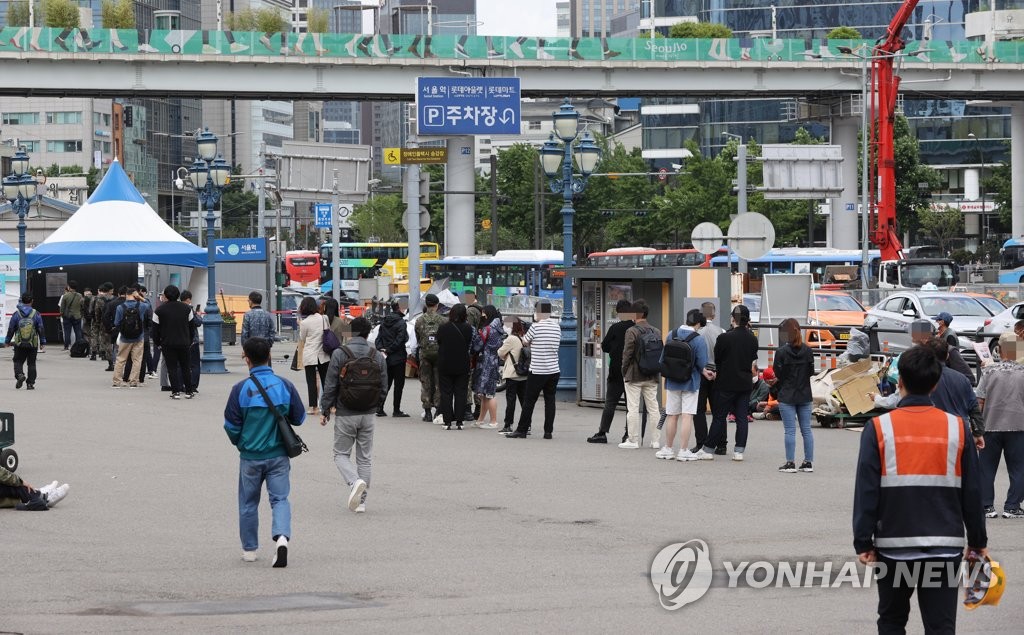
681,573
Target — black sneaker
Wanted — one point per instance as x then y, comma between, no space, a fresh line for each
381,413
175,395
505,430
1013,513
189,395
398,414
598,438
547,435
426,415
721,451
788,466
990,512
806,467
281,555
30,387
21,381
458,426
448,427
35,504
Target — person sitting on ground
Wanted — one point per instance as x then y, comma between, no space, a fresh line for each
767,407
17,493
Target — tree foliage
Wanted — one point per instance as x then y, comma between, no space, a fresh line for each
118,14
17,12
942,224
60,14
914,180
239,206
265,20
317,20
699,30
381,217
843,33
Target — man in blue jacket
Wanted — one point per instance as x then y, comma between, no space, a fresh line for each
251,426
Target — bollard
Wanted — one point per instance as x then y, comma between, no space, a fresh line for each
834,361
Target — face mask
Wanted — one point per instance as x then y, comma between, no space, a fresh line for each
755,378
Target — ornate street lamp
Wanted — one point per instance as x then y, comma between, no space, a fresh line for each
208,176
20,188
557,157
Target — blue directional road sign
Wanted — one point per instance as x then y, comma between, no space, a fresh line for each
239,249
323,215
467,105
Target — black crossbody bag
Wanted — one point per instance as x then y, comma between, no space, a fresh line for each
293,443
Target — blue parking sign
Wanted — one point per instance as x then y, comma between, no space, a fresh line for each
467,105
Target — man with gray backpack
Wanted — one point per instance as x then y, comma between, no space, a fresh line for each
357,383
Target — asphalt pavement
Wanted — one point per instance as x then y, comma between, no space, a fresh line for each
464,531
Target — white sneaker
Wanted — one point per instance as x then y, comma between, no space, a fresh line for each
701,455
439,420
361,508
281,556
737,456
249,556
490,426
655,444
629,445
57,494
686,455
356,493
49,487
665,453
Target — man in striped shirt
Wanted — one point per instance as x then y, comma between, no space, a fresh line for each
543,339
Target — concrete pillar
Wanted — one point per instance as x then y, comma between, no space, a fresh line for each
844,226
460,209
1017,160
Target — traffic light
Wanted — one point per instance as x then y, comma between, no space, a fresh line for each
424,190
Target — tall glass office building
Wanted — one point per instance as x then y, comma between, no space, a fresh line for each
941,125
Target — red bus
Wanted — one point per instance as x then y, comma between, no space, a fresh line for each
648,257
303,268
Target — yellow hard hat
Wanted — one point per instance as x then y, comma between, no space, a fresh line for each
985,585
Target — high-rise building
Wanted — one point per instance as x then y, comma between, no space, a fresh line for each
563,18
593,18
342,119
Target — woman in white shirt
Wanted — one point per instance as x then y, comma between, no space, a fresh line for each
314,359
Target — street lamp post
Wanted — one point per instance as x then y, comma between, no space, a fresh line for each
20,189
555,157
209,175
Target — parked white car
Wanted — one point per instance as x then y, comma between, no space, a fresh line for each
1001,323
898,310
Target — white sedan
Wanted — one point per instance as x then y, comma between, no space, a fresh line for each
1002,323
898,310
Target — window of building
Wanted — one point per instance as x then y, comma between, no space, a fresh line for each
101,119
64,117
106,147
534,125
30,146
20,118
64,146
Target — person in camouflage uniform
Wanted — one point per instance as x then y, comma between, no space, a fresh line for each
98,336
426,342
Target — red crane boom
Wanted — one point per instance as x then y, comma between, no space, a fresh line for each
885,86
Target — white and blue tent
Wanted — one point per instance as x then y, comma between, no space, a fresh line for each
115,225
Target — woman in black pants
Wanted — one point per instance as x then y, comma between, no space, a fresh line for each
314,359
515,384
453,340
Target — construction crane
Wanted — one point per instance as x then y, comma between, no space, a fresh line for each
885,85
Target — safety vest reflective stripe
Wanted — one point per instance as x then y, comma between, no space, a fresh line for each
910,476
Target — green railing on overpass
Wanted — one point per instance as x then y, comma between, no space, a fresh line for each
236,44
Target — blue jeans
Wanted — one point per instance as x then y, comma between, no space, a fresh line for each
71,324
251,474
790,413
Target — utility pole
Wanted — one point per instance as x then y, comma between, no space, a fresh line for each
335,239
741,185
494,203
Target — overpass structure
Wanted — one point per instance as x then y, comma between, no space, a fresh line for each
296,66
247,65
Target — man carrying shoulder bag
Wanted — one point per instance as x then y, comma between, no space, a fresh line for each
357,382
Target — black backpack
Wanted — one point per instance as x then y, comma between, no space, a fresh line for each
522,365
648,351
80,349
131,322
359,381
679,357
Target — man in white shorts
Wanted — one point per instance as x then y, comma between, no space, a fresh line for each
683,360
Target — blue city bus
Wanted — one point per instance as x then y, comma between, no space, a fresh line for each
510,272
1011,262
800,260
